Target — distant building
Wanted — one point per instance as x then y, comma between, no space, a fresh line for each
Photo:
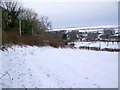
109,31
88,34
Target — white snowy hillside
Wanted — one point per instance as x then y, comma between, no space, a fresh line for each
87,28
45,67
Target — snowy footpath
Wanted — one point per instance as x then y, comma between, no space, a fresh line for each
47,67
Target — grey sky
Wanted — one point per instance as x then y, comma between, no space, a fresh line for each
75,14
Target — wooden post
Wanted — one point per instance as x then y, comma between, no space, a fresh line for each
0,26
20,27
32,31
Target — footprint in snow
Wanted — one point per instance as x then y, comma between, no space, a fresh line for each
86,77
96,85
31,53
30,74
48,75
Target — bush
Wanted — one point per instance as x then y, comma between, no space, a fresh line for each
14,38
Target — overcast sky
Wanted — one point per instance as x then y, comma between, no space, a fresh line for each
76,14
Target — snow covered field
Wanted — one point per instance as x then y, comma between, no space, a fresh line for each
45,67
114,45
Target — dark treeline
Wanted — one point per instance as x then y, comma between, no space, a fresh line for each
13,13
24,26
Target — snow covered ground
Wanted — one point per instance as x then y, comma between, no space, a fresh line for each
112,45
45,67
87,28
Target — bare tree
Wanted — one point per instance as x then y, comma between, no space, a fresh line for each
29,21
46,24
12,10
26,20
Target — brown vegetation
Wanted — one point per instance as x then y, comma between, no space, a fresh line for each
13,37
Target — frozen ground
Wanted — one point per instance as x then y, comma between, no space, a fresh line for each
44,67
112,45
